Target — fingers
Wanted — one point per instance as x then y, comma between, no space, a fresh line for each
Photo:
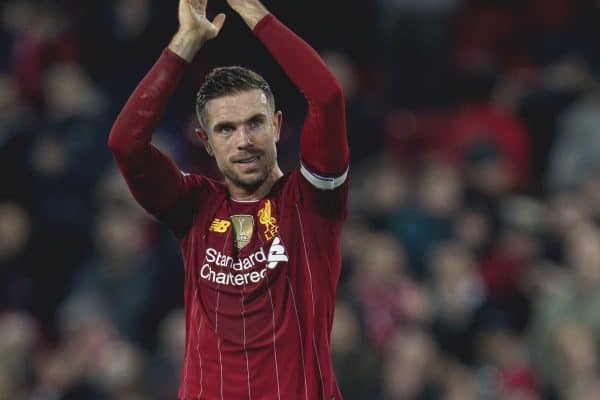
218,21
198,5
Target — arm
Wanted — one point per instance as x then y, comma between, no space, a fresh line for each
323,143
154,180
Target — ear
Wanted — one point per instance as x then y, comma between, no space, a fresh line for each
277,121
204,139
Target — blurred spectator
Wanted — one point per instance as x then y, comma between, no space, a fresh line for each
458,383
411,367
576,151
387,297
162,374
568,298
19,339
67,156
510,374
475,228
482,132
353,358
17,286
505,269
461,309
41,36
120,273
380,188
71,369
427,219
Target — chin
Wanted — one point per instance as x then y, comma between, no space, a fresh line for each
249,183
252,183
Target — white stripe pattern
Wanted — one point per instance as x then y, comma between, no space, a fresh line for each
311,295
186,362
197,302
198,348
273,316
274,345
217,319
301,339
189,339
245,350
323,182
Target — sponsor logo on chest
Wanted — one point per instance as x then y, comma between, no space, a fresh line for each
225,269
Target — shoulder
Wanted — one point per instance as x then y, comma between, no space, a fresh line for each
200,192
322,195
204,183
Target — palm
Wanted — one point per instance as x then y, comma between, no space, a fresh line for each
192,17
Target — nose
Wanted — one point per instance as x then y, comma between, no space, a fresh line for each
245,138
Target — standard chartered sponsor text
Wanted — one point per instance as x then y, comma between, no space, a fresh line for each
241,274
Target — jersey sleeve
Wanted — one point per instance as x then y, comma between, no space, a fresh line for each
329,205
154,180
324,149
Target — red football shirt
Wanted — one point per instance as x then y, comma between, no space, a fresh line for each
260,292
260,277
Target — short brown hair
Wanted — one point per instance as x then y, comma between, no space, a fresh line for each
224,81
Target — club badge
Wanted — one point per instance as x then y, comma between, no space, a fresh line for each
269,222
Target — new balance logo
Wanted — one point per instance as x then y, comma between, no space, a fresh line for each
219,225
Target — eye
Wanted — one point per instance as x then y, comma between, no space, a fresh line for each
225,129
255,122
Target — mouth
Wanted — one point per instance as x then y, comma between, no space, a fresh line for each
249,160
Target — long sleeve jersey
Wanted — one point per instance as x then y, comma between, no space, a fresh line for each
260,276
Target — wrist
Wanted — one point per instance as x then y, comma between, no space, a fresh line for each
186,44
252,14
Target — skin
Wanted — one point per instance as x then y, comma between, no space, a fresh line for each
195,28
242,130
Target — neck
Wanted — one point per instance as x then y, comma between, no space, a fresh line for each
241,193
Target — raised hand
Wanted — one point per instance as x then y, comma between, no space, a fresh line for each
192,18
194,28
251,11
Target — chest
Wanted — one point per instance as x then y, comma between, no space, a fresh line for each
242,245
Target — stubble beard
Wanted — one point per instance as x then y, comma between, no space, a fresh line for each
250,184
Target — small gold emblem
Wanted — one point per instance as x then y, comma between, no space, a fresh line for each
219,225
265,218
243,226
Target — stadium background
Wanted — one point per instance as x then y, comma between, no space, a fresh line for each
471,252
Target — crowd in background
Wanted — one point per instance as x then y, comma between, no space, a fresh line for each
472,247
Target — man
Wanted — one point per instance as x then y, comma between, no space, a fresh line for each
261,250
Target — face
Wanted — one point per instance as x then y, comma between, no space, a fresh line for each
242,131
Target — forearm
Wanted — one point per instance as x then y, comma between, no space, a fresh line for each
186,45
153,178
323,143
300,61
132,131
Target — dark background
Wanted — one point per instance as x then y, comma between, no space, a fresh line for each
471,252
